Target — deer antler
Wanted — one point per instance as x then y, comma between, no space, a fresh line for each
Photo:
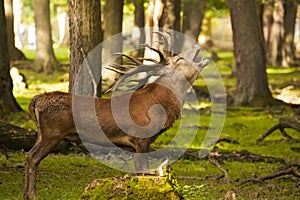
168,43
151,70
162,58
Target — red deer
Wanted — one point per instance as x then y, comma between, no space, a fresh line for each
54,117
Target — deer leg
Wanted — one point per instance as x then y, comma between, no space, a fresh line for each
140,157
39,151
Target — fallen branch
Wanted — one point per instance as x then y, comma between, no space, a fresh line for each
286,170
217,164
245,156
292,123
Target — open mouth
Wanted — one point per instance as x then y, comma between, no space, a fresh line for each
198,48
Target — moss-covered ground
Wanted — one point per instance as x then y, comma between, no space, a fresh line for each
64,176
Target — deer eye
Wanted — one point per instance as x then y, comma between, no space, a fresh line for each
178,59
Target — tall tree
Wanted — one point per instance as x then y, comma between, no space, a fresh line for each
112,22
288,50
252,83
7,101
193,13
170,17
14,53
139,22
85,35
44,57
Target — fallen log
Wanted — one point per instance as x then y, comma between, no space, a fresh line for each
13,137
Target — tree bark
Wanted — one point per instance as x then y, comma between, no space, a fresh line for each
44,57
85,35
8,103
112,19
276,33
193,13
267,21
251,77
139,22
14,53
170,18
288,50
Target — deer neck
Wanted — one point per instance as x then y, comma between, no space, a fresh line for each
175,84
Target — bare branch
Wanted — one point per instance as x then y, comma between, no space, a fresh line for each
217,164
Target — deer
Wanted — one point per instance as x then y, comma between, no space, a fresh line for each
153,107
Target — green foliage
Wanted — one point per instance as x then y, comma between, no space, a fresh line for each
216,8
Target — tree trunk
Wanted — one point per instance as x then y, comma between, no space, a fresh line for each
267,21
252,83
44,57
8,103
288,50
193,13
274,47
85,35
112,19
170,18
14,53
139,22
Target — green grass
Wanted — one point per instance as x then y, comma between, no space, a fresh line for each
64,176
61,53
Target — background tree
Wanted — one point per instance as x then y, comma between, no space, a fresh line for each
14,53
7,101
139,21
279,19
85,35
288,50
112,25
170,18
193,14
251,77
44,57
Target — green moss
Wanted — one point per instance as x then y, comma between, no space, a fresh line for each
132,187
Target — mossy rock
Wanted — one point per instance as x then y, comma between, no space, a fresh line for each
132,187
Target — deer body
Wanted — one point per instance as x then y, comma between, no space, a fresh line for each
55,120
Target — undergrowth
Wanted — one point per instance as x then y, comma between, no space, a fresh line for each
64,176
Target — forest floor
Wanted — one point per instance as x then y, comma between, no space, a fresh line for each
238,164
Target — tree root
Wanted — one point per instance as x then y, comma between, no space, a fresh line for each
245,155
293,123
288,169
217,164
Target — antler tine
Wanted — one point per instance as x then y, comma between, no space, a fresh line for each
163,60
168,44
204,61
116,70
141,82
151,70
129,57
149,59
171,43
165,39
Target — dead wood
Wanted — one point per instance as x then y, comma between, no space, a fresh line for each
217,164
288,169
235,155
16,138
292,122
